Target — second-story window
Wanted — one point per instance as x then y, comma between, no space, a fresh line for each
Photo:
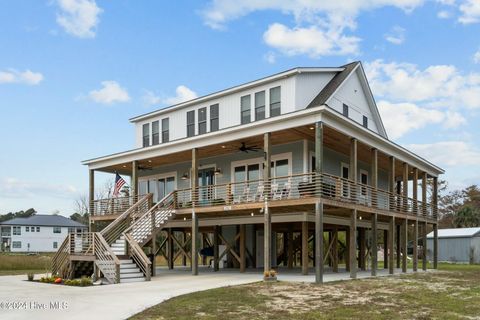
345,110
155,132
146,134
214,117
191,123
260,105
245,109
365,122
165,130
202,120
275,105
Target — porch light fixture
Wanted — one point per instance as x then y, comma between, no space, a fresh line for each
217,171
185,176
184,218
360,218
124,166
252,214
150,161
311,128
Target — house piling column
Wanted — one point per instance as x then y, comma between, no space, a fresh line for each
374,244
243,261
353,244
415,245
267,234
391,242
216,232
362,247
170,249
398,235
385,249
290,246
195,238
424,246
435,225
304,247
435,246
319,242
335,249
91,196
404,244
134,182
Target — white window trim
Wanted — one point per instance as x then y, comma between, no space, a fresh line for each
362,171
282,156
245,162
161,176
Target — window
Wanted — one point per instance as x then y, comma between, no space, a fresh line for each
190,123
55,245
71,230
365,122
155,132
38,229
159,187
17,244
214,117
245,109
165,130
345,110
275,102
57,230
364,180
27,229
146,134
279,168
202,120
17,231
260,105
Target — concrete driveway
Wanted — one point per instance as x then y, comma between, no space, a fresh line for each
47,301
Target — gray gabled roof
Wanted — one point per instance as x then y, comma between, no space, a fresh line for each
43,220
333,85
456,233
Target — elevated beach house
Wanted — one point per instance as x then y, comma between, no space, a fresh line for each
270,173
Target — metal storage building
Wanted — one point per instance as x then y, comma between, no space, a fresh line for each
456,245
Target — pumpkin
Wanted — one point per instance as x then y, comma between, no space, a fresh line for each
58,280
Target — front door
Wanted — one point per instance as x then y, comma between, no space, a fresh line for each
206,182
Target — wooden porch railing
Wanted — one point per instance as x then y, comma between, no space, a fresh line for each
112,206
302,186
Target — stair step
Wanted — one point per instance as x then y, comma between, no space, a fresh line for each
127,271
127,265
124,261
131,275
132,280
117,245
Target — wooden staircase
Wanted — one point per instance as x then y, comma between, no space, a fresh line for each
117,251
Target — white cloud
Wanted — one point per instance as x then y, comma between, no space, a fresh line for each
79,17
25,77
320,26
401,118
476,57
448,153
470,10
270,57
15,188
149,98
182,94
435,86
396,35
312,41
111,92
444,14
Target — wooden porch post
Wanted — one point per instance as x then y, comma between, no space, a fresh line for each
195,238
91,196
134,185
374,244
424,194
405,187
404,244
305,247
415,191
184,241
374,169
347,245
216,231
170,248
290,246
361,254
385,249
242,248
353,160
154,251
319,147
267,233
335,249
435,246
392,183
353,244
318,242
398,244
424,246
415,245
391,242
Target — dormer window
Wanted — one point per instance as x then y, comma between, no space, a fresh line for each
365,122
345,110
202,120
275,105
155,132
165,130
146,134
191,123
260,105
245,109
214,118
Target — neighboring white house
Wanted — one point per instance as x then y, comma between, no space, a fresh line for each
456,245
38,233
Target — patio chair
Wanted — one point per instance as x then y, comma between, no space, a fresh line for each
259,196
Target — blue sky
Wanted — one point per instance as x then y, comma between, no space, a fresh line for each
73,71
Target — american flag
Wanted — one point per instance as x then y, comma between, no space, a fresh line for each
119,183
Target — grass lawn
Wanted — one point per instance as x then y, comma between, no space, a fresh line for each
12,264
451,293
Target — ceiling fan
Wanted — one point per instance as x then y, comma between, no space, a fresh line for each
246,149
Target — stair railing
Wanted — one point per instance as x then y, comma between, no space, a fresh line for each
106,260
139,257
113,231
60,261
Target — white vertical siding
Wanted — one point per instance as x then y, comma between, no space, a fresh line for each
308,86
353,95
